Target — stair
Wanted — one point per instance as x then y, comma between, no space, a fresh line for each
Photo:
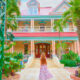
32,72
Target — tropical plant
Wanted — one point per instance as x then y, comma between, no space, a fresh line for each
73,13
70,56
19,56
61,46
70,59
12,11
78,60
11,64
69,63
58,28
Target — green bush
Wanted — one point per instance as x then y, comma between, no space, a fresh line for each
68,63
19,56
70,59
70,56
11,64
78,59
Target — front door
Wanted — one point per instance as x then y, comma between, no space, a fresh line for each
42,47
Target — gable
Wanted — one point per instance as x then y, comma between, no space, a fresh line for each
62,7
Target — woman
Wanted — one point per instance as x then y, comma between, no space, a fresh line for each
44,73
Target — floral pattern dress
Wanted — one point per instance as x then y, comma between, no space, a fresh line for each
44,73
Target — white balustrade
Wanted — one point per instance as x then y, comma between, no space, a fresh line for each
43,29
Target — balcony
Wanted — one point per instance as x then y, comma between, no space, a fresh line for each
43,29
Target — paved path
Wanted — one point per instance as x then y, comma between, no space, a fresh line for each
32,72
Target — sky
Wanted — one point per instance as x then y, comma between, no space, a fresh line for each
23,0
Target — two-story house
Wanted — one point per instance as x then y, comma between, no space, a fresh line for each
35,32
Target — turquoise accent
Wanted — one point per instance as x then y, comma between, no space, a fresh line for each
44,38
42,22
25,42
39,17
67,41
26,23
36,20
42,42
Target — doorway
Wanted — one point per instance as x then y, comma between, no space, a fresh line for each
42,47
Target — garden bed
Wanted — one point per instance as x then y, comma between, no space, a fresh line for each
74,77
71,69
15,77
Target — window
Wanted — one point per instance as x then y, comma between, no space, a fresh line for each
64,9
33,11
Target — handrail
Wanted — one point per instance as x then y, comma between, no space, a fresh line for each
44,29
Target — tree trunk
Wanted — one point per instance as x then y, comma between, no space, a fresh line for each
78,32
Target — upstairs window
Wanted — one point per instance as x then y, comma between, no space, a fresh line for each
64,9
33,11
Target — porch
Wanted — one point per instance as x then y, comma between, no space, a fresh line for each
49,47
41,25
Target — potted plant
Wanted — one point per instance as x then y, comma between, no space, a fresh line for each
77,75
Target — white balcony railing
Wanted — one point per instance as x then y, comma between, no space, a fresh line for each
44,29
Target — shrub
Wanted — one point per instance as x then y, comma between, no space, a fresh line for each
19,56
70,56
78,60
69,63
11,64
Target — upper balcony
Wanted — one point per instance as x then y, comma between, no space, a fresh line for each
41,26
43,29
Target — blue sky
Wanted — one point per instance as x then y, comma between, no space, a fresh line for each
23,0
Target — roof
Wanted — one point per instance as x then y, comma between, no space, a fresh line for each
45,10
46,6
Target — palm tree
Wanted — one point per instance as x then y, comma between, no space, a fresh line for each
12,10
73,13
58,27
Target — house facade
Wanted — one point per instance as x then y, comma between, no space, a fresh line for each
35,33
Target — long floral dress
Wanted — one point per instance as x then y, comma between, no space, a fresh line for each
44,73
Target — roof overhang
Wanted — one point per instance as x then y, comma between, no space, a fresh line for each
29,17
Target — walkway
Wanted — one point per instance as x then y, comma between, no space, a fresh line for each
32,72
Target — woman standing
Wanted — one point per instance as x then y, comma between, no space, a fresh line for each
44,73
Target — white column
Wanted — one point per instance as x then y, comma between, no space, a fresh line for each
75,47
53,47
32,47
32,25
52,25
78,47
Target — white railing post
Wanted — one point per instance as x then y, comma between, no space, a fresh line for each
52,25
32,25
